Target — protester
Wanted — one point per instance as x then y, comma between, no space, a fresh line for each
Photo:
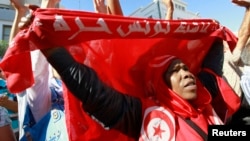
232,63
235,64
9,101
6,131
38,98
242,117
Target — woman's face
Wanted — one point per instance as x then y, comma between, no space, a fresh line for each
181,80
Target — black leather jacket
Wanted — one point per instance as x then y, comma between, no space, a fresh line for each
112,108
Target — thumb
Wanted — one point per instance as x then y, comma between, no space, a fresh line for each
32,7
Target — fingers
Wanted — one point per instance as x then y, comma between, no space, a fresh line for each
3,97
95,2
32,7
100,6
25,21
243,3
50,3
3,100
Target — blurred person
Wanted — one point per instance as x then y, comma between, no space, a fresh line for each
7,125
244,113
6,132
9,101
245,77
235,67
37,98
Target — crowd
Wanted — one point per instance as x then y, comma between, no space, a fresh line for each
187,109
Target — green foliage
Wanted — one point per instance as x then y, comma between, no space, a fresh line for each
3,47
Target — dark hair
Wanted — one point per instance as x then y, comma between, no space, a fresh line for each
215,57
166,81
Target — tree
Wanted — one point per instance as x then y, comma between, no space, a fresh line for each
3,47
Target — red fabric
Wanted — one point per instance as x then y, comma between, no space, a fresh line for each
117,47
227,95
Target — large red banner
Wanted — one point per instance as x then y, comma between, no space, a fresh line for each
117,47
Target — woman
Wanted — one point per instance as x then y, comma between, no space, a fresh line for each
177,97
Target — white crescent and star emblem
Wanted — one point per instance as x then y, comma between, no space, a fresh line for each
158,125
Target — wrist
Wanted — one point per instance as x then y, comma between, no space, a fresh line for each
21,10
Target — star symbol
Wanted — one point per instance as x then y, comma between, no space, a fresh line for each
158,131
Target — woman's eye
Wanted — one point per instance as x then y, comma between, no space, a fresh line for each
174,70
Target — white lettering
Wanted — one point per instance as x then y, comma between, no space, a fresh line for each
204,27
181,28
192,28
231,133
135,27
215,132
159,29
60,24
103,27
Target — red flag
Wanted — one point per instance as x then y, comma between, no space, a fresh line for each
117,47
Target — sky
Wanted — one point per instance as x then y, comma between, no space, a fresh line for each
223,11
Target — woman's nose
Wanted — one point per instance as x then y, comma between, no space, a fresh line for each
187,74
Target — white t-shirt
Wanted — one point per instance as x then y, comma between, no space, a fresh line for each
245,83
39,95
